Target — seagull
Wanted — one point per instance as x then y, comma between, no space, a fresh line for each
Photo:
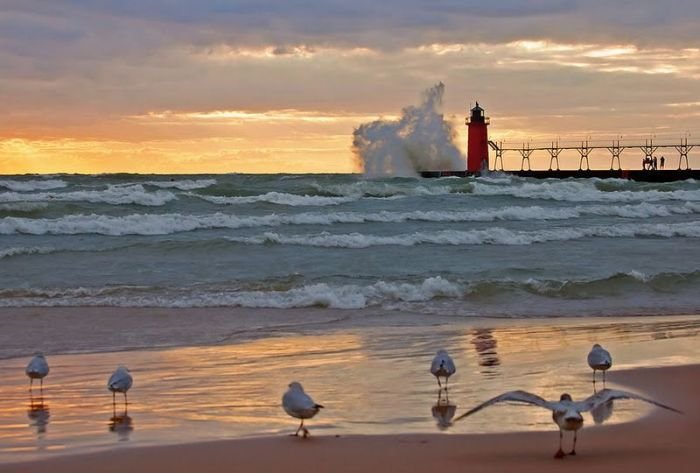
599,359
120,382
298,404
566,412
38,368
442,365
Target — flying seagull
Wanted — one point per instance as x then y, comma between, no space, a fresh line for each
298,404
442,365
599,359
566,412
38,368
120,382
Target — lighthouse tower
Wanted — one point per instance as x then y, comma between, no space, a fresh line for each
477,140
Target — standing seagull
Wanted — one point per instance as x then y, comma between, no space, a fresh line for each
442,365
599,359
38,368
120,382
298,404
566,412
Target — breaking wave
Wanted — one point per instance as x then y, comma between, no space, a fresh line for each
114,194
279,198
165,224
183,185
33,185
8,252
489,236
353,296
581,191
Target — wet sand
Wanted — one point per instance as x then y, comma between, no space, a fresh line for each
370,370
662,441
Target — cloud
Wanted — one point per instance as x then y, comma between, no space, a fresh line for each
85,68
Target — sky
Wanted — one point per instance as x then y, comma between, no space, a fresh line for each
203,86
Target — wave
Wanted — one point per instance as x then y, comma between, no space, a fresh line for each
184,185
354,296
279,198
33,185
583,191
23,207
114,194
165,224
489,236
383,189
8,252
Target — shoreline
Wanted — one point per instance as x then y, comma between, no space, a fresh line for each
123,329
633,446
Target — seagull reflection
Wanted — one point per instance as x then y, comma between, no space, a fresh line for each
443,411
122,425
485,345
38,414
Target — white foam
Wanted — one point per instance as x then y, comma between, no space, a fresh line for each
490,236
580,191
8,252
184,185
279,198
33,185
382,189
164,224
23,206
115,195
324,295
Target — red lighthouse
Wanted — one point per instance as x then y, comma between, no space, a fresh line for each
477,140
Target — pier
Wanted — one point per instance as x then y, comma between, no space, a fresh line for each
652,168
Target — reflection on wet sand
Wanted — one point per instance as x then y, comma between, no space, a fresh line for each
38,415
234,390
485,344
122,425
443,411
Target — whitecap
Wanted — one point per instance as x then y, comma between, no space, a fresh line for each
33,185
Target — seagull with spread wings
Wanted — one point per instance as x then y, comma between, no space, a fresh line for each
566,412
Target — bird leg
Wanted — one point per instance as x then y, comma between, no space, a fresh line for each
593,376
439,383
301,426
603,377
31,383
560,453
573,448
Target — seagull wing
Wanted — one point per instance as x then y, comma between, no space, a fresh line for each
297,401
598,357
512,396
601,397
120,380
38,365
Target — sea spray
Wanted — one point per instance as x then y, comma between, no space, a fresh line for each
420,140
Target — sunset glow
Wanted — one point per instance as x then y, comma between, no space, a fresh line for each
249,90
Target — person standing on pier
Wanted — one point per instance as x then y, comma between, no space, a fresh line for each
663,161
656,163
